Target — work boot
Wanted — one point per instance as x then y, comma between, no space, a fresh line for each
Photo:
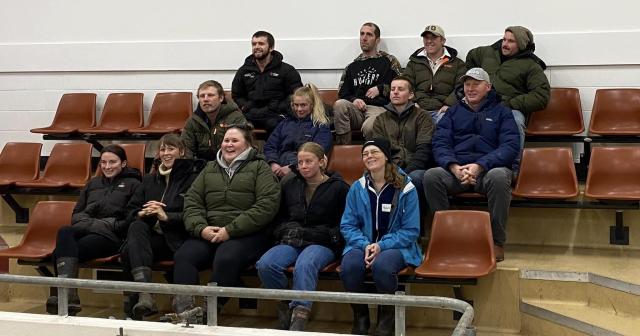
284,315
67,267
299,318
386,321
361,320
343,139
146,305
499,252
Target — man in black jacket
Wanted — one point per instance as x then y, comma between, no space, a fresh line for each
262,86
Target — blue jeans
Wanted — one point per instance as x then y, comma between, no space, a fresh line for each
384,270
521,123
308,260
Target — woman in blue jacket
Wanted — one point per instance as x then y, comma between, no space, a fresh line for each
380,225
308,123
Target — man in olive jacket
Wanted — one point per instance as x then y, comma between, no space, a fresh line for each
408,128
204,130
434,71
517,74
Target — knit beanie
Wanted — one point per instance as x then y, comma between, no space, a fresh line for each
382,143
523,36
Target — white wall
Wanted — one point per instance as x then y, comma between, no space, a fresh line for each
48,48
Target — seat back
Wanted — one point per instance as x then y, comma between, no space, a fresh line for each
171,109
347,160
122,110
45,221
547,173
20,161
616,112
562,116
329,96
76,110
69,162
613,173
135,156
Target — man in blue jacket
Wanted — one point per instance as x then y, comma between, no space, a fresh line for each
475,145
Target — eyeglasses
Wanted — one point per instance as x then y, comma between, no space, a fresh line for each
373,152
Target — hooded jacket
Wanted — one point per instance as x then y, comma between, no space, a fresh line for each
318,222
283,143
409,133
519,79
366,72
155,188
404,223
432,91
244,203
102,205
488,137
262,95
202,138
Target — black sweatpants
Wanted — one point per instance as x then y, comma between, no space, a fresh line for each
76,242
144,246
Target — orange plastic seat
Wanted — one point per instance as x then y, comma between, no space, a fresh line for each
169,113
329,96
75,111
562,116
547,173
614,173
135,156
19,161
347,160
122,111
69,165
39,239
461,246
616,112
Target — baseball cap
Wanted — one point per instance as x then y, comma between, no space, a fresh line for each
433,29
476,73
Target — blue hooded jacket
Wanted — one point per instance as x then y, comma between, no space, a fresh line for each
282,145
488,137
404,224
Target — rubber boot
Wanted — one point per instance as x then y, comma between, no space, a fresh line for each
284,315
299,318
361,320
146,305
386,321
67,267
343,139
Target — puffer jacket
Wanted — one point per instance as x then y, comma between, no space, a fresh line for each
519,80
244,204
409,134
282,145
404,223
155,188
432,91
318,222
102,205
488,137
203,138
265,94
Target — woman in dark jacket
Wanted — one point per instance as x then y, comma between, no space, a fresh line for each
308,123
308,231
98,225
157,230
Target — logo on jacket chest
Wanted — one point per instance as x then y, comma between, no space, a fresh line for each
366,76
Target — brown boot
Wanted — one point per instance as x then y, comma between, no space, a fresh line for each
343,139
499,252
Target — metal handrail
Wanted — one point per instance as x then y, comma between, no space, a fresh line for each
212,292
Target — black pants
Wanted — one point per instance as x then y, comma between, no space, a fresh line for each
269,123
144,246
229,258
76,242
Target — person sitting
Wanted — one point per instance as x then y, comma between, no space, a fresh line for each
380,225
157,230
307,231
98,224
308,123
227,212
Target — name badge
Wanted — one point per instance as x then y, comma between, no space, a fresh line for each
386,207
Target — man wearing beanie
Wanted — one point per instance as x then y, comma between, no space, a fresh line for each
434,71
516,73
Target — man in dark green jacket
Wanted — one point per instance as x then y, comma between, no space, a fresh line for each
205,129
517,74
434,71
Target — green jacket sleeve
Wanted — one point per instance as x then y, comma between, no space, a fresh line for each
262,212
472,60
460,71
195,208
188,137
538,92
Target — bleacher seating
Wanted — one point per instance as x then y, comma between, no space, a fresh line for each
135,157
616,112
122,111
169,112
347,160
547,173
69,165
75,111
614,174
19,161
562,116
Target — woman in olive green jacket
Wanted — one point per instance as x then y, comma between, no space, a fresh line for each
227,211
